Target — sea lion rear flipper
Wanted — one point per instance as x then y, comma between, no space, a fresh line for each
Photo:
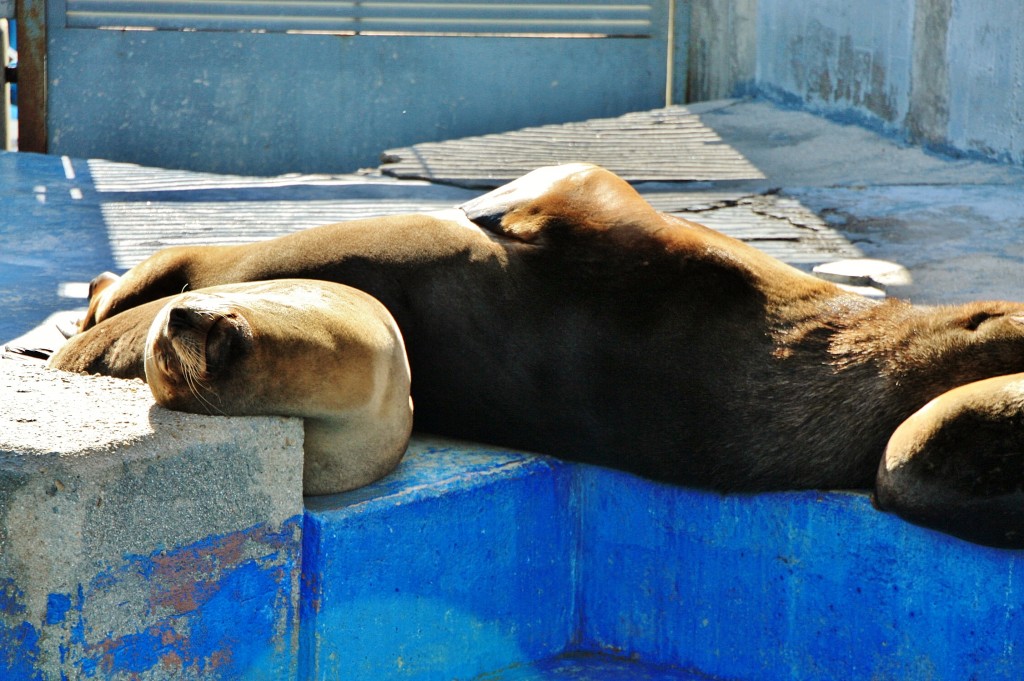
26,354
505,210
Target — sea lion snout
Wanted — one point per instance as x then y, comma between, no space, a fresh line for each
190,343
182,319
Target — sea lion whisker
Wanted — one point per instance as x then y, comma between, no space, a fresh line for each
196,385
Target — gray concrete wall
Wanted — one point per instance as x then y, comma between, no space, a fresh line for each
137,542
940,73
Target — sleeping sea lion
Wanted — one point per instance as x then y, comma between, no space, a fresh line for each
315,349
562,314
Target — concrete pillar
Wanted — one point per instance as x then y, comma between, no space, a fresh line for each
928,117
723,49
137,542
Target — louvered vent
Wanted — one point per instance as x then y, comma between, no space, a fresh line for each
596,18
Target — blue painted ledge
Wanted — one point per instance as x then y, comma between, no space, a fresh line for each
469,561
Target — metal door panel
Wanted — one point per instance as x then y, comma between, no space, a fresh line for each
266,103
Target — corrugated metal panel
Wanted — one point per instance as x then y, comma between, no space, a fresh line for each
779,226
670,144
482,17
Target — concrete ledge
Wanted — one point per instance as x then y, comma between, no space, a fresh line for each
143,543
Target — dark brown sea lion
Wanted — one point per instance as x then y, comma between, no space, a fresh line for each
957,464
563,314
315,349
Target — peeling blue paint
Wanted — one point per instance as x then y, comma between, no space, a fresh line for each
10,598
57,606
221,608
229,616
19,640
19,646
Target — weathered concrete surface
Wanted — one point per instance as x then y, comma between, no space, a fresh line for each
959,243
795,148
139,542
940,73
953,223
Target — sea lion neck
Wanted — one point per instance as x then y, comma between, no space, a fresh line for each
924,351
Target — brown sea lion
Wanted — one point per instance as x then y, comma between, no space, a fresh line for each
315,349
563,314
957,464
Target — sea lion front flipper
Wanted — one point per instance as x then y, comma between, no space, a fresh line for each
957,464
114,347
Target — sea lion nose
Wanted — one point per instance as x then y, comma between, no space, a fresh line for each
181,319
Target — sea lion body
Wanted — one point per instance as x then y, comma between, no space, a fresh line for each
315,349
563,314
957,464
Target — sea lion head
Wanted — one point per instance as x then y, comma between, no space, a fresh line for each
197,352
929,350
101,288
317,350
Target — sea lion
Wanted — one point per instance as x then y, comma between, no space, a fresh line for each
323,351
957,464
562,314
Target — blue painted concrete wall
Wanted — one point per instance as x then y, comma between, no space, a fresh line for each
267,103
470,560
790,586
838,53
986,70
460,565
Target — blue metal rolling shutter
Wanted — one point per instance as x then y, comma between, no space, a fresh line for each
594,18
